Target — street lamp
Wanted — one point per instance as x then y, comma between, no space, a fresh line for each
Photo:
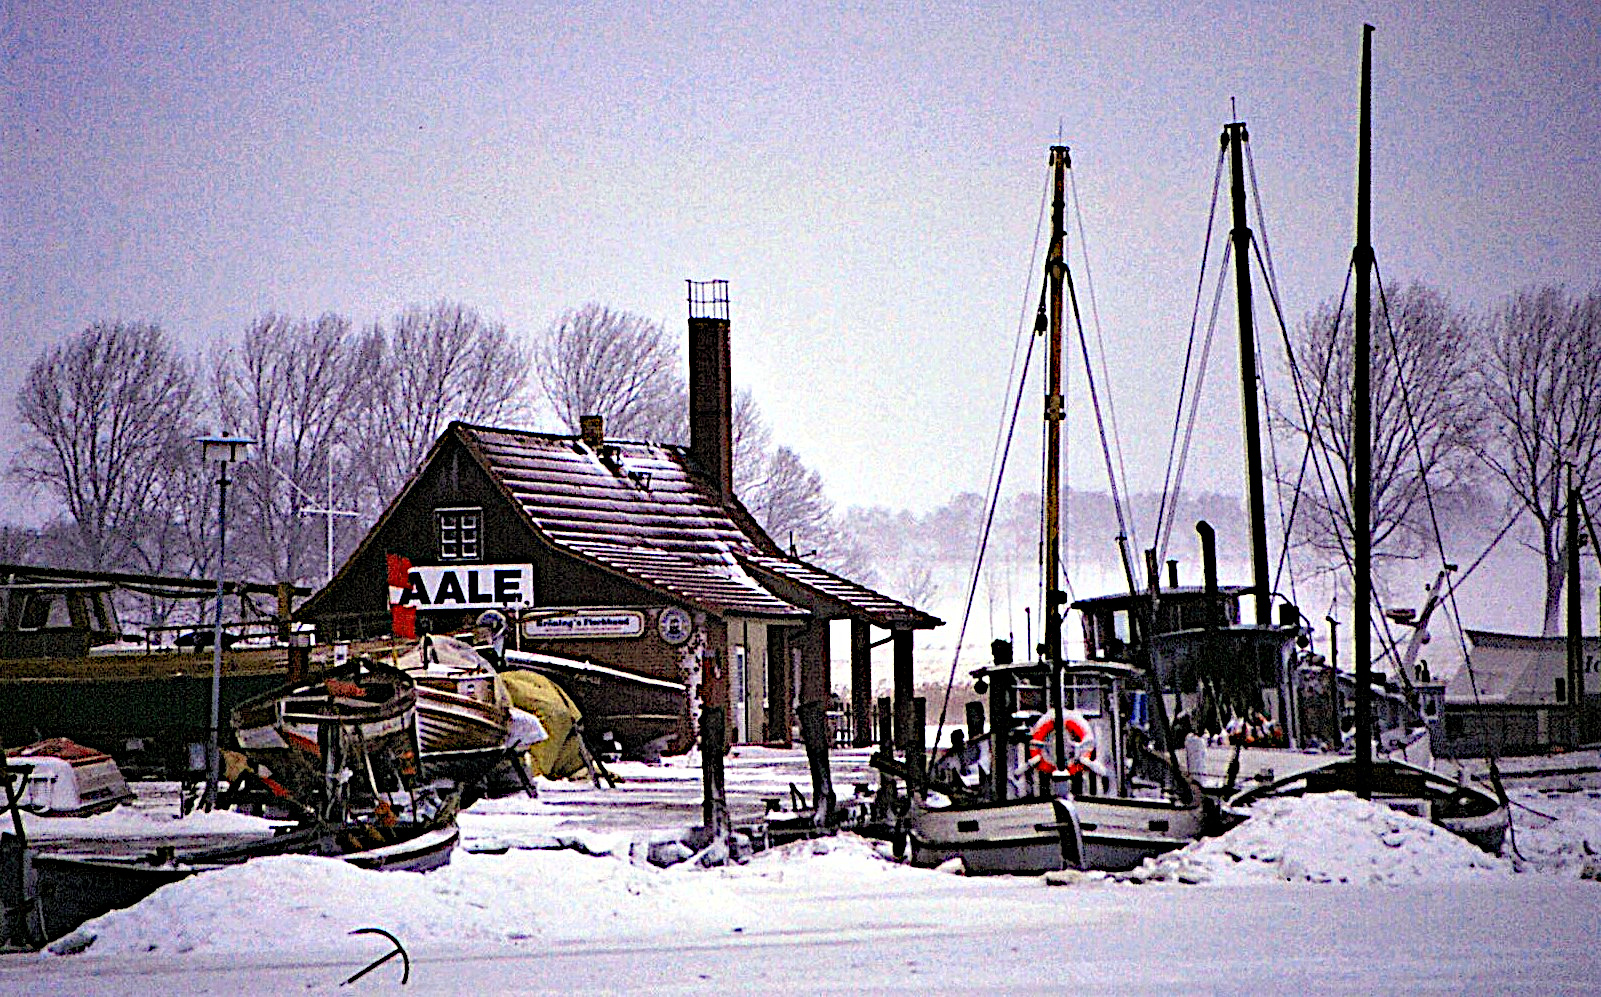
224,450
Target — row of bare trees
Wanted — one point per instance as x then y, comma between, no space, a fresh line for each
1509,400
341,417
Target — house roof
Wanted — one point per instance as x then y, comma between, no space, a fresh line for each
641,511
636,509
859,600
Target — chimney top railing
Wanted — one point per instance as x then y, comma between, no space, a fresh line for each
708,299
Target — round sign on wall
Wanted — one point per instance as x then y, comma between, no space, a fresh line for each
674,625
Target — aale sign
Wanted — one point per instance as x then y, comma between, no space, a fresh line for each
469,586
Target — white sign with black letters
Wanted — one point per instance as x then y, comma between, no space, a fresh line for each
582,624
469,586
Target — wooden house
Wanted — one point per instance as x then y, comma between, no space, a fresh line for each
634,557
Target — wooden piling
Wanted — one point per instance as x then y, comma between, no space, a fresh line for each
714,800
814,731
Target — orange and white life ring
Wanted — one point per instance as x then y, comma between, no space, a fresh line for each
1080,751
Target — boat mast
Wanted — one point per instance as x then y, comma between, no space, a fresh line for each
1056,274
1055,597
1361,441
1234,139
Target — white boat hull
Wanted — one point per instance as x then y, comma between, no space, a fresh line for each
1024,837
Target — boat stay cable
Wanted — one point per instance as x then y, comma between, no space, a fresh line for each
1439,540
1263,248
1167,506
1100,426
1100,342
1018,374
1175,487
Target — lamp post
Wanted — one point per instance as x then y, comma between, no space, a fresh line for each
224,450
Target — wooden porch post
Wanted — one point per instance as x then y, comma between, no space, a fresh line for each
861,682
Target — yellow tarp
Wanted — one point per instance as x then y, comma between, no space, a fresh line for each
558,756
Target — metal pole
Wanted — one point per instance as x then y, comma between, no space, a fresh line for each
1575,627
213,744
1361,442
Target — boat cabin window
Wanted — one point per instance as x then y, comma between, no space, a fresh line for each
459,533
1107,634
1086,698
44,610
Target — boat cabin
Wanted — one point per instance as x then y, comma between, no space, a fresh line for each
55,618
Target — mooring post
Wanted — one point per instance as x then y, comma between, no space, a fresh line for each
714,803
814,731
917,744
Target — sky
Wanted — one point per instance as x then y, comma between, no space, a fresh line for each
868,178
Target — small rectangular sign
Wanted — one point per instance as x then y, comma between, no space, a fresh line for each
583,624
469,586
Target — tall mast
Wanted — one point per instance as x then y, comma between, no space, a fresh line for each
1056,275
1361,434
1235,137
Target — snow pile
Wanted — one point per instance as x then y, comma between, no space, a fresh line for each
142,819
1325,838
311,904
1556,832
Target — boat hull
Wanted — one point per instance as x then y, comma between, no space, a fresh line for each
635,710
1462,809
449,722
1029,837
65,890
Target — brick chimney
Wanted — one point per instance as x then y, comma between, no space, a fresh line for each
592,430
711,399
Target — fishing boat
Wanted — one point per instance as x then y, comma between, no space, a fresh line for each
70,668
1077,768
1456,806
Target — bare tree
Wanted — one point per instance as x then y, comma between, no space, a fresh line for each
596,361
108,414
295,387
792,507
1427,419
436,365
1542,377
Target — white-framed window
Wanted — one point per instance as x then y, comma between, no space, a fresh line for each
460,533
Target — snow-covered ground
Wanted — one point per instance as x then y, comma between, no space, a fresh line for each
1326,893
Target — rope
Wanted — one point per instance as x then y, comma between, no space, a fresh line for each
1439,539
1264,258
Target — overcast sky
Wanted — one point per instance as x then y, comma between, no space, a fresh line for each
867,177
